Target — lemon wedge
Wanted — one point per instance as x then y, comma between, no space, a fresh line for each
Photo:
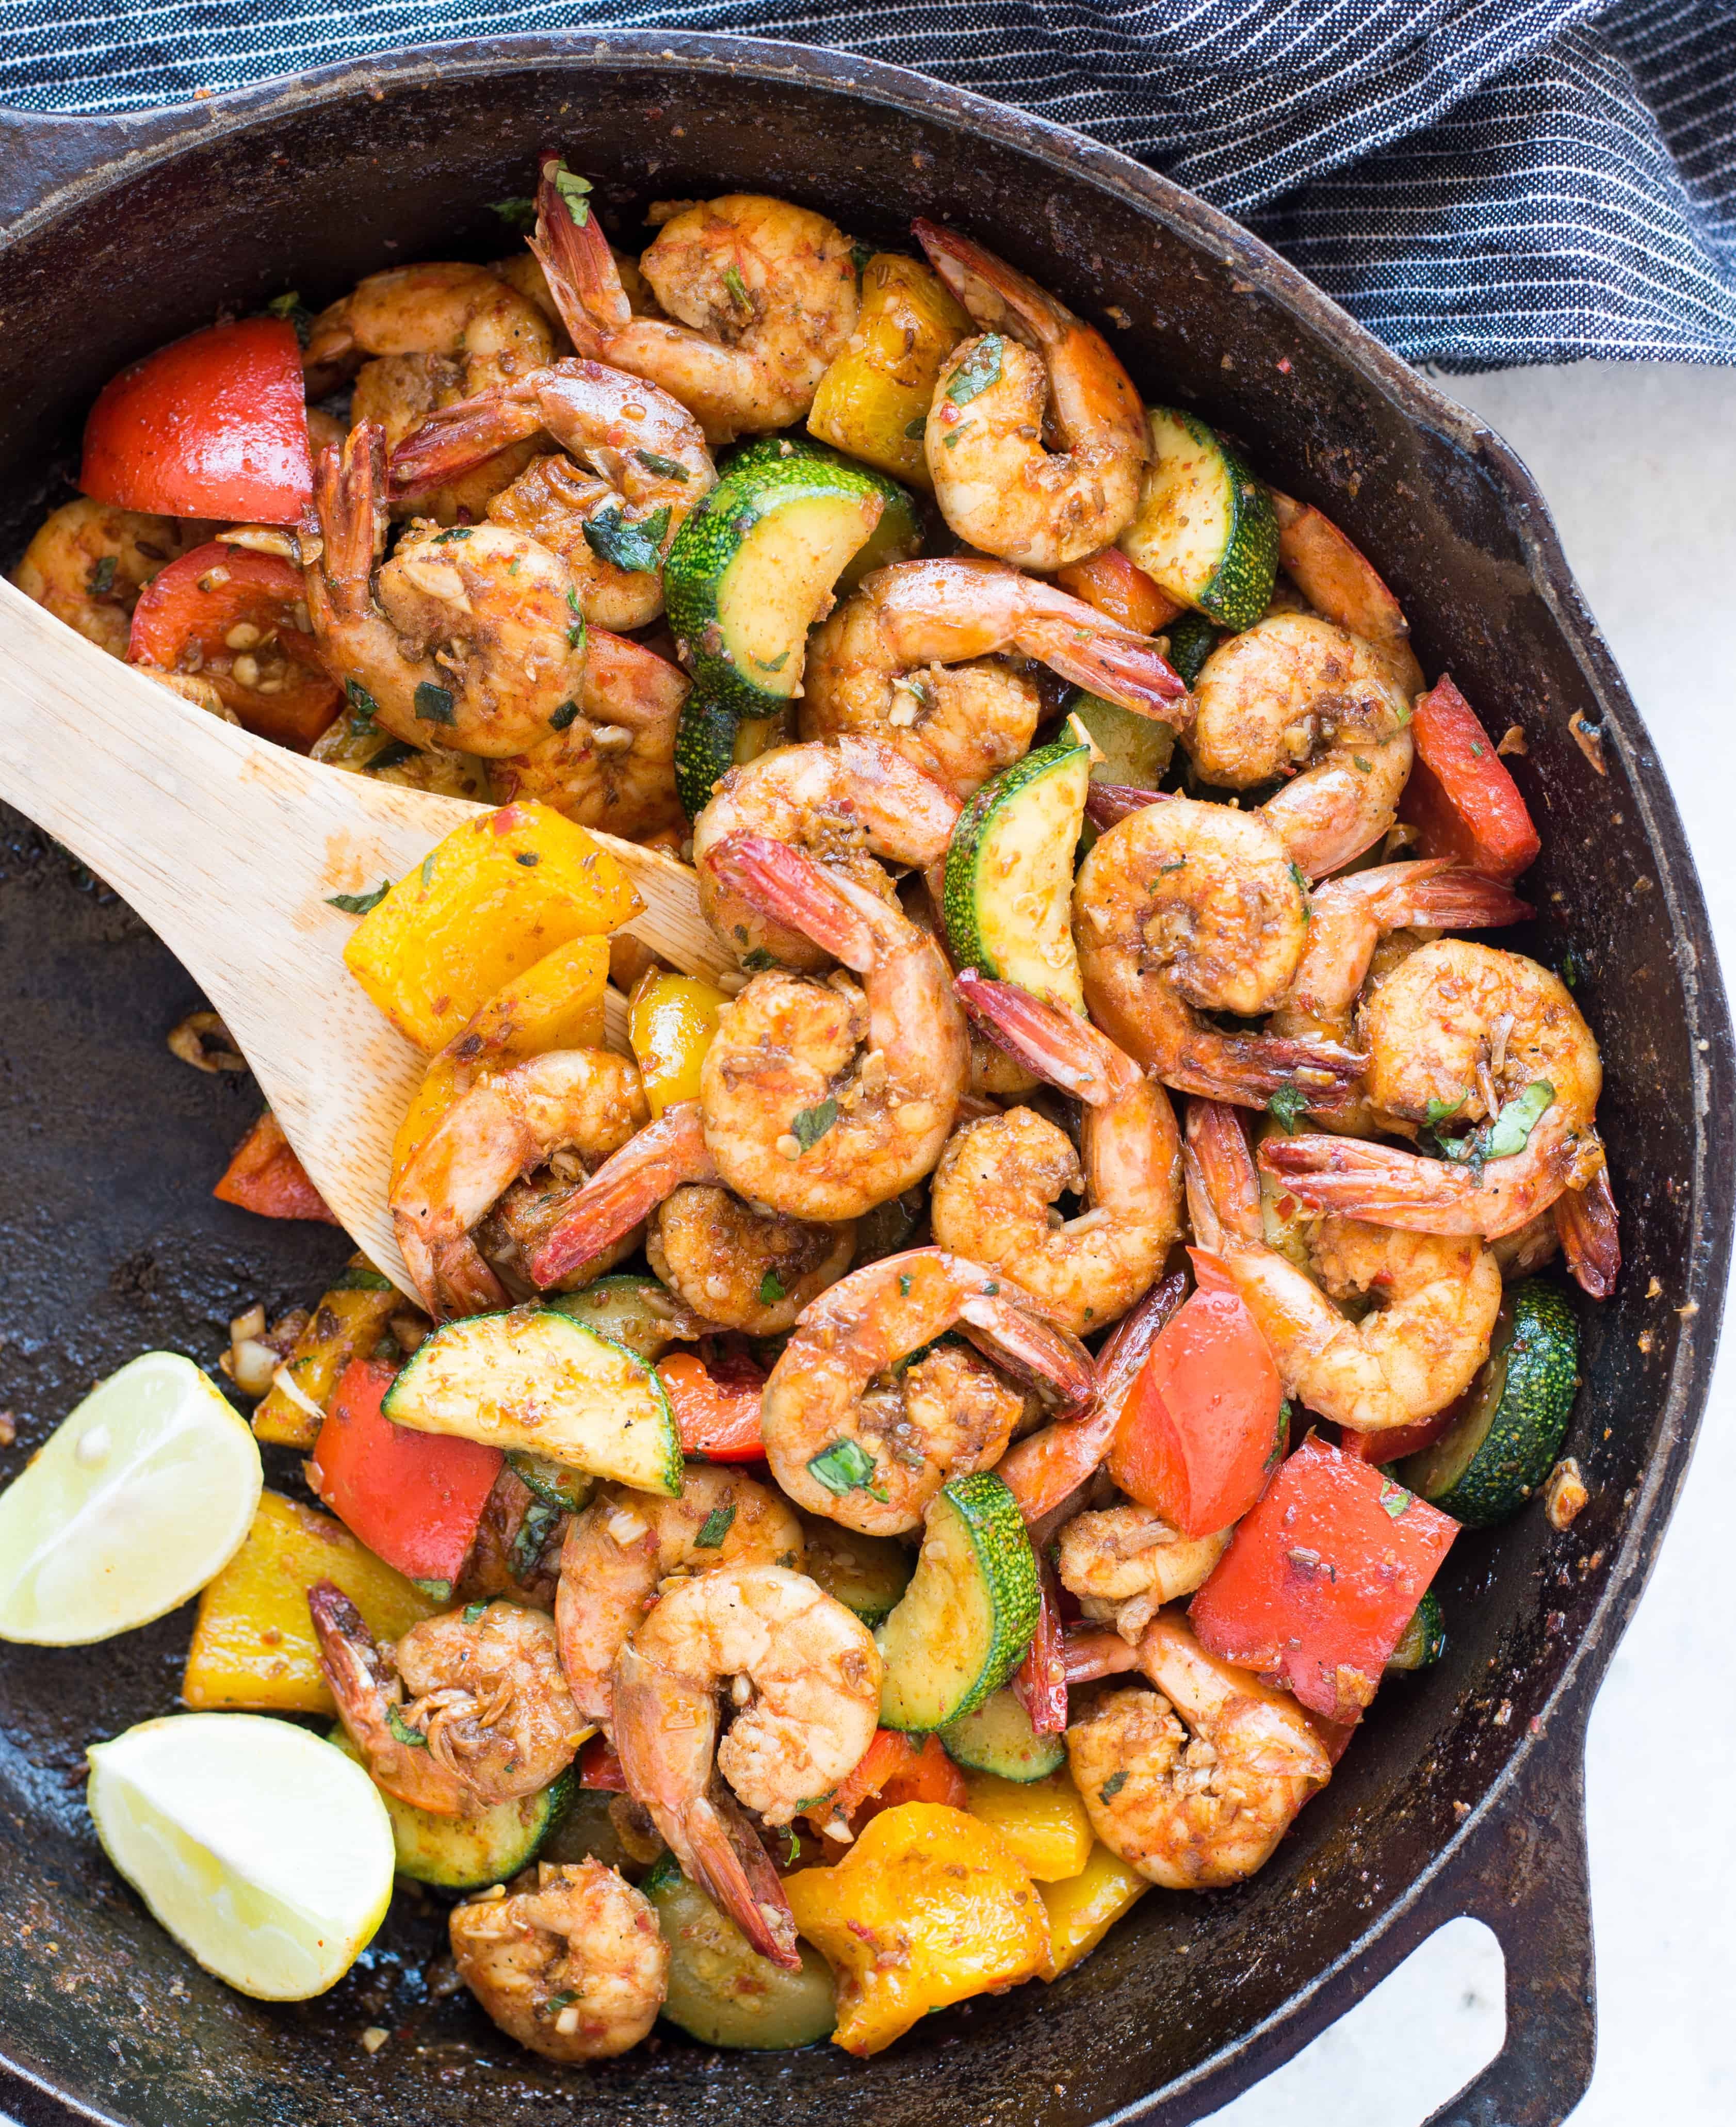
132,1504
265,1852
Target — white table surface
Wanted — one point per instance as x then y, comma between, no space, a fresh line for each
1638,463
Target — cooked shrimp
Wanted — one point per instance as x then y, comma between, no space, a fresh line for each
913,658
998,1177
846,803
1434,1300
191,687
1338,580
626,1544
1295,693
1193,1785
1124,1564
666,1155
471,635
890,1434
1184,908
462,1714
820,1100
1455,1035
575,1968
803,1674
502,1125
610,762
648,468
1037,365
89,562
748,1270
761,295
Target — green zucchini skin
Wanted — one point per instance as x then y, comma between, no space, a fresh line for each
1508,1434
710,740
998,1738
1135,750
1192,639
1205,529
1007,900
629,1308
898,535
867,1573
721,1990
962,1626
468,1853
1424,1640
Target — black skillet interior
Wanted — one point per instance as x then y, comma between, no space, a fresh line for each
108,1146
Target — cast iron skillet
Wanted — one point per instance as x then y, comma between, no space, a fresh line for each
1465,1794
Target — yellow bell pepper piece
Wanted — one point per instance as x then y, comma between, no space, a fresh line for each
555,1003
671,1023
928,1907
1044,1821
428,1103
253,1644
491,901
873,401
348,1321
1084,1909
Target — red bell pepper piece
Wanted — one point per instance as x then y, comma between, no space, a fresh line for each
1040,1682
599,1767
1460,797
1396,1441
264,1175
1203,1426
1120,588
1319,1581
214,425
414,1499
195,605
716,1406
893,1768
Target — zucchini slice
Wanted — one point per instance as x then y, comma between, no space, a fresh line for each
532,1378
896,537
1424,1640
998,1738
1135,750
1205,530
629,1308
468,1853
553,1484
867,1574
967,1619
721,1990
1512,1419
711,739
1192,639
1008,897
752,568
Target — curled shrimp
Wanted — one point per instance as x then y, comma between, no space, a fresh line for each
1435,1299
648,469
1124,1563
619,1552
1184,908
501,1127
1338,580
1295,696
469,636
760,297
913,658
1036,365
846,803
890,1435
1193,1785
610,764
87,563
463,1713
803,1674
820,1100
1000,1176
1455,1035
574,1966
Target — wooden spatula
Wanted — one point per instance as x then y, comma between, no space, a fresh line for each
229,847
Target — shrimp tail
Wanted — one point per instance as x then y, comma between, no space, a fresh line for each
625,1189
1090,1656
1108,804
1249,1070
577,265
452,439
1124,668
787,885
1361,1181
1450,899
1030,1347
1061,1047
996,294
1223,1189
353,1665
737,1874
350,492
1586,1225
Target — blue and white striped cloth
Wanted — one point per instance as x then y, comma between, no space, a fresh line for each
1482,181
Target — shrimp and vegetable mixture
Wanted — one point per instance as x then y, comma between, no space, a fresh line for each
859,1414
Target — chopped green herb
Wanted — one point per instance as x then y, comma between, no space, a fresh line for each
412,1738
714,1527
427,869
286,305
358,904
614,538
102,575
980,368
664,468
951,438
1179,864
516,213
1437,1112
1477,752
532,1539
1366,766
527,858
990,1289
433,704
472,1611
563,716
1511,1129
860,255
846,1467
364,709
576,633
773,664
1395,1499
738,288
1112,1786
1289,1104
1570,971
915,430
393,755
1301,877
556,2002
808,1126
759,959
459,532
903,1285
1280,1438
771,1290
573,188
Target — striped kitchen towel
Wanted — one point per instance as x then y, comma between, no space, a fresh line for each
1482,181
